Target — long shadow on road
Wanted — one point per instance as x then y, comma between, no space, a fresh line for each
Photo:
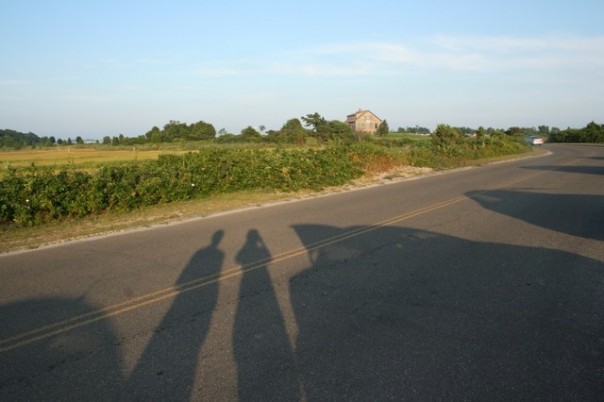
54,368
167,368
592,170
405,314
381,313
265,360
574,214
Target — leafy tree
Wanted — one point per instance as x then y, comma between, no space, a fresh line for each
593,132
383,129
314,120
106,140
292,132
79,140
154,135
12,138
174,130
250,134
335,129
201,131
481,134
445,137
414,130
543,130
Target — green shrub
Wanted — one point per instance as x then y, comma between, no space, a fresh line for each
34,195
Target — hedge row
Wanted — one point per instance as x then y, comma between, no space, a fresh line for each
37,195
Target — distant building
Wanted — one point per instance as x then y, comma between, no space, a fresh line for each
363,121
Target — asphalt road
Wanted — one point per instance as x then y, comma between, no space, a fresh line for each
480,284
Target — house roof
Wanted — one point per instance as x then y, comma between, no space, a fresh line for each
351,118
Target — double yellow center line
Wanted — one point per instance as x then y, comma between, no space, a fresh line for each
82,320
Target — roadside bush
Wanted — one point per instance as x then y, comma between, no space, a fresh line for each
35,195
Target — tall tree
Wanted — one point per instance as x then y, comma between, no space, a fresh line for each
201,131
314,120
293,132
445,137
383,129
543,130
250,133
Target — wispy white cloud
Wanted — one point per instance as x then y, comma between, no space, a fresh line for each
84,98
501,52
254,98
154,61
316,69
440,53
221,71
13,82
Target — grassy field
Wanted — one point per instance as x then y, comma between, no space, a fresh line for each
82,158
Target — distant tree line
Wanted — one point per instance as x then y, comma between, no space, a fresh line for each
296,131
413,130
293,131
591,133
12,139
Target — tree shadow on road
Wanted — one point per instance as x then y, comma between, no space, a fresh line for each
398,313
382,313
592,170
574,214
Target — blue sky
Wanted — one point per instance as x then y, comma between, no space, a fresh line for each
96,68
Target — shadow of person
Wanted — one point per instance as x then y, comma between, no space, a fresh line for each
166,369
265,360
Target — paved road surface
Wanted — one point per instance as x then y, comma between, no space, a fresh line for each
481,284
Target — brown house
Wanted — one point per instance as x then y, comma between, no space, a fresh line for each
363,121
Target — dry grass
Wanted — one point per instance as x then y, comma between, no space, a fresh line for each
77,157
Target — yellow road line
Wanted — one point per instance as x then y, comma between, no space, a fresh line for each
81,320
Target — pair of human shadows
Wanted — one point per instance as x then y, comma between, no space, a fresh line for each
167,367
393,313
